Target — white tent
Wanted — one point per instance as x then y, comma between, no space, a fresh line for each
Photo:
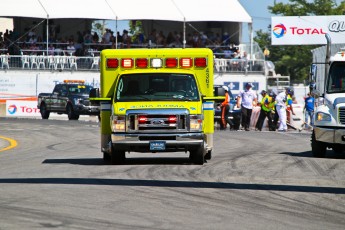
173,10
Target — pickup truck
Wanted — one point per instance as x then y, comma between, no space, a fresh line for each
71,98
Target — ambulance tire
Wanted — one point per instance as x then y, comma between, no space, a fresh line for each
318,148
208,155
117,157
197,155
70,113
44,112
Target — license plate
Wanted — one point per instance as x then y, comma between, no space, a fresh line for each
157,145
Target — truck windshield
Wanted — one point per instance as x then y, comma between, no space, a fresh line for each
156,87
79,89
336,81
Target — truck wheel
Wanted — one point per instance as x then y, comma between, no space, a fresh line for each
338,149
318,148
208,155
106,157
117,157
197,156
44,112
71,114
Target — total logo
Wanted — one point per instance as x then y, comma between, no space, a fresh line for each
12,109
280,30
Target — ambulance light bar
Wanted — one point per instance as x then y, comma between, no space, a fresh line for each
128,63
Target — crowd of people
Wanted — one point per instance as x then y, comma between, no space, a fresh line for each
275,108
86,41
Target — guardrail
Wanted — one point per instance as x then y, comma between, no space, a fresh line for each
91,63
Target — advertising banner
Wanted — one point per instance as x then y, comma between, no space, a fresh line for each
307,30
22,108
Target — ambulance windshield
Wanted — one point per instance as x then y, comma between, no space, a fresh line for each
157,87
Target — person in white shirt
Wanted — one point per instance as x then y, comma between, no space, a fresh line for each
281,109
246,99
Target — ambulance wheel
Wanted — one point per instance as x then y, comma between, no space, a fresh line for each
318,148
44,112
117,157
197,156
208,155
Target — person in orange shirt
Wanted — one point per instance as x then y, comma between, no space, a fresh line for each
225,106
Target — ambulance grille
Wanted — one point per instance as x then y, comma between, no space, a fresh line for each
156,122
342,115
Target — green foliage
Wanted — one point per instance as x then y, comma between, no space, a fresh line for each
294,61
135,28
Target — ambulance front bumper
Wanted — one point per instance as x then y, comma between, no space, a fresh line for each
157,142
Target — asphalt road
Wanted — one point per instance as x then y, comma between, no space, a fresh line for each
55,178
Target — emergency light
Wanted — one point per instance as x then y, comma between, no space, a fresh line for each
171,62
112,63
200,62
141,62
186,62
156,63
127,63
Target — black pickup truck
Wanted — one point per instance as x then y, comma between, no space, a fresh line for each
71,98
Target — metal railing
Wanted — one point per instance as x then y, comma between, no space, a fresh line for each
91,63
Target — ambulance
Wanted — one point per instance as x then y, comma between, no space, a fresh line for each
155,101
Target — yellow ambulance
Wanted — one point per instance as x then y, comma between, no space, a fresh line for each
156,100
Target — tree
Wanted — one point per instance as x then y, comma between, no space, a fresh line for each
294,61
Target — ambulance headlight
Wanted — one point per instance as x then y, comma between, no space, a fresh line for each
195,122
118,123
323,116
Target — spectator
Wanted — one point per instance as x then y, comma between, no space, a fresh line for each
70,48
267,104
225,106
106,36
87,37
95,37
309,110
281,109
246,99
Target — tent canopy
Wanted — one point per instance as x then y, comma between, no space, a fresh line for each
172,10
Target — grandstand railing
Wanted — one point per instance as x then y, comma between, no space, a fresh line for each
91,63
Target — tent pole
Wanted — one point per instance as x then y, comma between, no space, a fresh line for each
47,33
251,39
184,32
116,34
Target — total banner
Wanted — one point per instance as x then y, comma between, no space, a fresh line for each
307,30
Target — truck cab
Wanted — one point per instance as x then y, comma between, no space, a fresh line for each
156,100
329,130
